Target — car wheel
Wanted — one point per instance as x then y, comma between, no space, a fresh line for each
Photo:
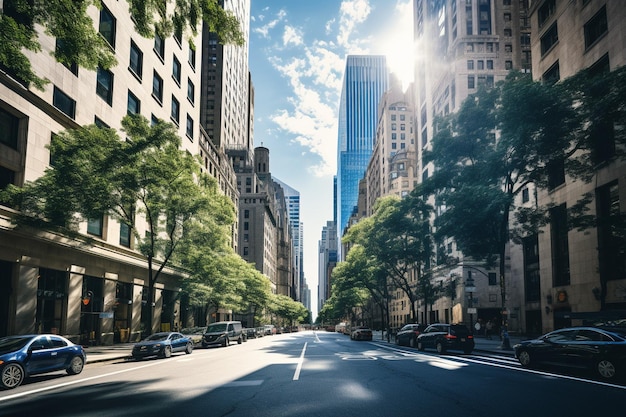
440,348
225,343
239,341
12,376
412,342
606,369
76,366
524,359
189,348
420,346
167,351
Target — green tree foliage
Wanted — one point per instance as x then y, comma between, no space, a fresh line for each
518,134
287,309
146,179
397,238
78,39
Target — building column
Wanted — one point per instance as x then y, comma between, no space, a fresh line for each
74,302
26,299
110,284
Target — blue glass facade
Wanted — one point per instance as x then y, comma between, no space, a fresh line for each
366,79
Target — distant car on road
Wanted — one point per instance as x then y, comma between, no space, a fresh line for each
222,333
162,345
444,337
407,335
26,355
361,333
602,351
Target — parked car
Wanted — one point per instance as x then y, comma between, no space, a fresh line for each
26,355
250,332
407,335
444,337
162,345
194,333
602,351
361,333
270,330
222,333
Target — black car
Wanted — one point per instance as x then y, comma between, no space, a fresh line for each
602,351
444,337
407,335
162,345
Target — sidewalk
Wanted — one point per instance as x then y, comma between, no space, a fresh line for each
120,351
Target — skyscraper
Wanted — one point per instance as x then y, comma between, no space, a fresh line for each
365,81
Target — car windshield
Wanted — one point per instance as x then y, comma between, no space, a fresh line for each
216,327
11,344
157,336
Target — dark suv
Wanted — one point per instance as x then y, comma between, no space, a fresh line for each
408,334
444,337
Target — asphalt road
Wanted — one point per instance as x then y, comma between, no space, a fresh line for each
313,374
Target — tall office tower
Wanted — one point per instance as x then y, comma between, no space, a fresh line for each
366,79
292,200
327,259
225,92
462,45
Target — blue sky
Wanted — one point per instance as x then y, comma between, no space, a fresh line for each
297,58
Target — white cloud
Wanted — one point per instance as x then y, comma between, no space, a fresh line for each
292,36
352,12
265,29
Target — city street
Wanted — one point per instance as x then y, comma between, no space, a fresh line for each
312,374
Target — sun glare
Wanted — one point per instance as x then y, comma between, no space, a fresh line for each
397,44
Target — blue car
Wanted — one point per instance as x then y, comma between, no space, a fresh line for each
162,345
25,355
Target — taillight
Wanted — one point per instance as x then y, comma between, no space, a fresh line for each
470,336
450,336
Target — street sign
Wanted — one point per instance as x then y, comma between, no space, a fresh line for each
470,289
472,310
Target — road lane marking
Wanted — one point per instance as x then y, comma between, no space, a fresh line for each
296,376
250,383
73,382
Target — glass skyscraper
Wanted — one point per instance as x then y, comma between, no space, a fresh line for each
365,80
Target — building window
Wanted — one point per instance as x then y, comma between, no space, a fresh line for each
560,246
159,46
611,240
596,27
470,64
136,60
480,64
100,123
189,129
549,39
7,177
125,235
552,75
104,85
525,195
546,10
176,70
133,105
175,110
63,102
489,64
73,67
192,57
508,32
531,268
471,81
556,173
245,251
493,278
191,91
107,26
9,127
157,87
94,227
508,65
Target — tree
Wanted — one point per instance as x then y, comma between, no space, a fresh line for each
288,309
397,237
146,182
498,144
78,40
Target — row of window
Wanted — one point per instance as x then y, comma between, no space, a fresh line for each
593,30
